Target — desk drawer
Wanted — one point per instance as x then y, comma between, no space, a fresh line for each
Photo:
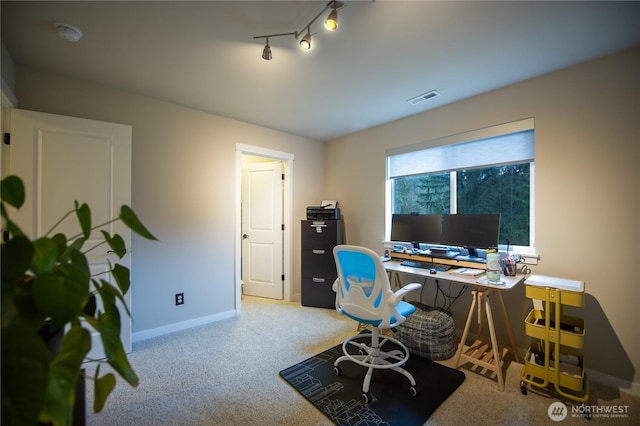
318,262
323,234
317,292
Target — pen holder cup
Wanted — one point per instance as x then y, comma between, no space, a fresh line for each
508,267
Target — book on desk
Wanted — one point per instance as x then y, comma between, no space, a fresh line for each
467,272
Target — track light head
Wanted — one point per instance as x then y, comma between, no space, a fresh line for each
305,43
266,52
331,22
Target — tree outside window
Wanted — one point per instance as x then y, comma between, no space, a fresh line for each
503,189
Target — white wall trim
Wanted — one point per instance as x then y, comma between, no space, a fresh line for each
180,326
614,382
287,158
264,152
8,97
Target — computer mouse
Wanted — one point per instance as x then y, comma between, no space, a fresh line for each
432,271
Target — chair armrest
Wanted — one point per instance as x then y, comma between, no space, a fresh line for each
399,294
334,287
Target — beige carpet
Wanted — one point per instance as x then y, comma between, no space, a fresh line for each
226,373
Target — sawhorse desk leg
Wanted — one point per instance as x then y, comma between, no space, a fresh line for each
479,352
508,325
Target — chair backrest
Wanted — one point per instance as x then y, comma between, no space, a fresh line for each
362,286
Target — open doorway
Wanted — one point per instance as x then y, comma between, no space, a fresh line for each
263,244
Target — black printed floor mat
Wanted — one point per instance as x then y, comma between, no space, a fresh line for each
340,397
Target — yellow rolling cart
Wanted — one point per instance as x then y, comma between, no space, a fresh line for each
551,358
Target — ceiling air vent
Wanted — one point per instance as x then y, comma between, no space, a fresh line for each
424,97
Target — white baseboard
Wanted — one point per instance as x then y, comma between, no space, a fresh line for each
179,326
632,388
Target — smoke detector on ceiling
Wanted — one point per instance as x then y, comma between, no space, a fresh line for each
68,32
424,97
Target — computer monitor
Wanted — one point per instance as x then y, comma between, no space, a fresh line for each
471,231
416,228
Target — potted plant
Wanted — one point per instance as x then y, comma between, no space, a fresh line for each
47,287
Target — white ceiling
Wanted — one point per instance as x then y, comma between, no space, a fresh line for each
201,54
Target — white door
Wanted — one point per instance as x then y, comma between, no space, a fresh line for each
62,159
262,229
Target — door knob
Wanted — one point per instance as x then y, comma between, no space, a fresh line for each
245,236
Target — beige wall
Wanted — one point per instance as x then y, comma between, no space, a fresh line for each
587,133
183,189
587,147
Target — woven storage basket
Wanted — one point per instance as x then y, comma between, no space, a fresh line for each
428,333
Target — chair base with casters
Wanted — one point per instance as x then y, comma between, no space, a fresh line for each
372,357
363,293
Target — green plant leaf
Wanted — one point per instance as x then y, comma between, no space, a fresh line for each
121,275
117,294
116,243
108,325
103,387
130,219
60,241
45,255
90,306
25,368
12,191
91,320
75,245
49,294
63,375
61,294
83,213
16,255
26,309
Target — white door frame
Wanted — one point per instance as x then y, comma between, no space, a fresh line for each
287,159
8,101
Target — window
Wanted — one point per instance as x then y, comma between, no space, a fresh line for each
486,171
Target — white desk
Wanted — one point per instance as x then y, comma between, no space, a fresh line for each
482,353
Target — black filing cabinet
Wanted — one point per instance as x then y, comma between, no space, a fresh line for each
319,237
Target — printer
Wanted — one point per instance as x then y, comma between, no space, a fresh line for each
325,211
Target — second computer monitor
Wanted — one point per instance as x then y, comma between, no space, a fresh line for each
471,230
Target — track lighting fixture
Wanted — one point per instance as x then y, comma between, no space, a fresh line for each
332,20
305,43
330,23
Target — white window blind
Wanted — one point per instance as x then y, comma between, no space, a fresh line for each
504,144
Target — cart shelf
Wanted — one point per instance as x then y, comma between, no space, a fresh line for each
567,379
570,332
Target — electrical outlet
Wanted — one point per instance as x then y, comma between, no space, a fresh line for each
179,299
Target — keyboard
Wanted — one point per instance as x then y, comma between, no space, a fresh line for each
425,265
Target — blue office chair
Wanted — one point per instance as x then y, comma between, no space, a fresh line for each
363,293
